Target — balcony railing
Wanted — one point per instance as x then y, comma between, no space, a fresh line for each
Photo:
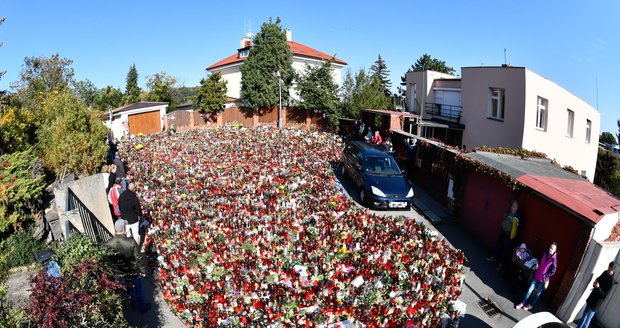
444,111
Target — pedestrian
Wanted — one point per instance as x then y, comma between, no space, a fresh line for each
113,195
360,128
507,234
130,208
376,139
546,269
127,261
600,288
111,177
120,171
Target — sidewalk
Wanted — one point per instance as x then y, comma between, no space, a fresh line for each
483,281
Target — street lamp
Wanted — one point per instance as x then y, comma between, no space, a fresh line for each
280,99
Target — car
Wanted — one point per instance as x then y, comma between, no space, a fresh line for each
381,183
541,320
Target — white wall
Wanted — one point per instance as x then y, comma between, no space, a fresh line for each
554,141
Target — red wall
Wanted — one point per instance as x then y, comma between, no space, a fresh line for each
485,202
544,223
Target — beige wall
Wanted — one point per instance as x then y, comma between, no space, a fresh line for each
423,82
475,98
554,141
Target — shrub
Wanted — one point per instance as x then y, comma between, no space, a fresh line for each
76,249
85,296
18,249
9,317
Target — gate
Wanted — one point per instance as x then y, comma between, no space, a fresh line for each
95,231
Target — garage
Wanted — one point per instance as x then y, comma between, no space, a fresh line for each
145,123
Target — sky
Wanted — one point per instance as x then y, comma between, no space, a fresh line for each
574,43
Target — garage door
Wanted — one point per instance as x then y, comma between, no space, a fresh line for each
145,123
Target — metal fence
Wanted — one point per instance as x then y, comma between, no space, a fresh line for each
93,228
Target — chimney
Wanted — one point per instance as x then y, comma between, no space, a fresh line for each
245,42
289,35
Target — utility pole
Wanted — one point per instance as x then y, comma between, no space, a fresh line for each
280,100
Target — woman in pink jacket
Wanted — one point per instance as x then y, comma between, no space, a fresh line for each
546,268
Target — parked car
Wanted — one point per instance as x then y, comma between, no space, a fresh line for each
541,320
381,183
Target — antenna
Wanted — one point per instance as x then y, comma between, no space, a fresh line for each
248,29
505,57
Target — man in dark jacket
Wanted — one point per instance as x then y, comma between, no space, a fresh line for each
601,287
120,171
127,262
129,205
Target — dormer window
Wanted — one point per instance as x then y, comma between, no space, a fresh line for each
244,53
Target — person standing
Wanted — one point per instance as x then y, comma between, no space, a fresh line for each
120,171
600,288
127,261
130,208
507,234
546,269
376,139
113,195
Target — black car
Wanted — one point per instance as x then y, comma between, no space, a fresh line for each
381,182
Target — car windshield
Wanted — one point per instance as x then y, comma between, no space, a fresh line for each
380,165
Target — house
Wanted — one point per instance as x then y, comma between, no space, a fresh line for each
556,206
506,106
142,117
302,55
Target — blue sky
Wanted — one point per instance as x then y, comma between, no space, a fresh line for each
573,43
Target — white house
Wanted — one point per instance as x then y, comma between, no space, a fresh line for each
142,117
506,106
302,55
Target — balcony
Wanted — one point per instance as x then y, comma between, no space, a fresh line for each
451,113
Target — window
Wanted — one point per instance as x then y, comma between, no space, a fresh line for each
496,104
588,130
570,122
244,53
541,114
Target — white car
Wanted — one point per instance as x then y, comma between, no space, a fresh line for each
541,320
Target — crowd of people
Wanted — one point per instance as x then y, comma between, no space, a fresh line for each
250,228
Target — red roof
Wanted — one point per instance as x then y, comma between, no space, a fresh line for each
581,196
297,49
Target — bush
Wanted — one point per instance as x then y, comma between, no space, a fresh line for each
21,187
85,296
18,249
9,317
76,249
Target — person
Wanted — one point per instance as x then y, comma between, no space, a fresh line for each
600,288
388,145
127,261
376,139
507,234
369,135
130,208
546,269
113,195
120,171
359,131
111,177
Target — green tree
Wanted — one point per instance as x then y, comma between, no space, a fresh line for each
211,95
270,54
318,91
86,91
160,88
109,98
380,69
40,76
2,72
608,138
618,135
132,91
183,94
426,62
72,136
21,187
17,129
607,174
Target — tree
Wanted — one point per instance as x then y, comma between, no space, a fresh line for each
607,174
426,62
618,135
86,91
72,135
109,98
132,91
21,187
2,72
362,91
160,88
40,76
318,91
379,68
270,54
211,95
608,138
